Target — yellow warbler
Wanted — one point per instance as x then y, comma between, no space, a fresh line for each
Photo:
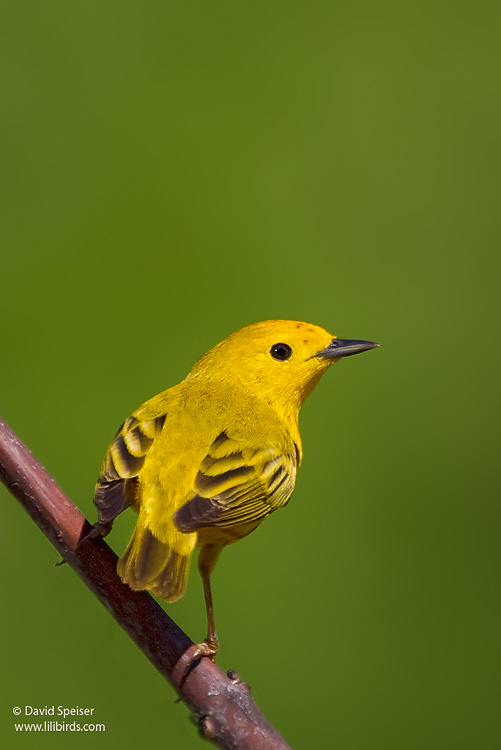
204,462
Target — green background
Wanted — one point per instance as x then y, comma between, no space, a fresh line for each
173,171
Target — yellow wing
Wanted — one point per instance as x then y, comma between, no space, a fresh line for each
236,484
116,488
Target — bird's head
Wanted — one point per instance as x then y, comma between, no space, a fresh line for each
279,361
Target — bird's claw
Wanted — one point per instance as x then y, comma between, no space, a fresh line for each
208,648
192,656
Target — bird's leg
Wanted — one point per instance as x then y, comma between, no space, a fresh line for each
206,562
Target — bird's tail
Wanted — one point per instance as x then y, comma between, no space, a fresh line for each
160,567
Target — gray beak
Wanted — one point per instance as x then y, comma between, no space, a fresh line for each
345,348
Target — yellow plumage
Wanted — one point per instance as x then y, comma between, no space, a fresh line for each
204,462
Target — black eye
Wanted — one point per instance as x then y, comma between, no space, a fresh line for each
281,351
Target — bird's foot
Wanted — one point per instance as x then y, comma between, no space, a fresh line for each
192,656
208,648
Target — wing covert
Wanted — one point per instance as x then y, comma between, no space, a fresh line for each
236,484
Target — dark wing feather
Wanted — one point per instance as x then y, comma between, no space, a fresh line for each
238,485
117,484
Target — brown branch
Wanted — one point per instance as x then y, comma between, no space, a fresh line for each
221,704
